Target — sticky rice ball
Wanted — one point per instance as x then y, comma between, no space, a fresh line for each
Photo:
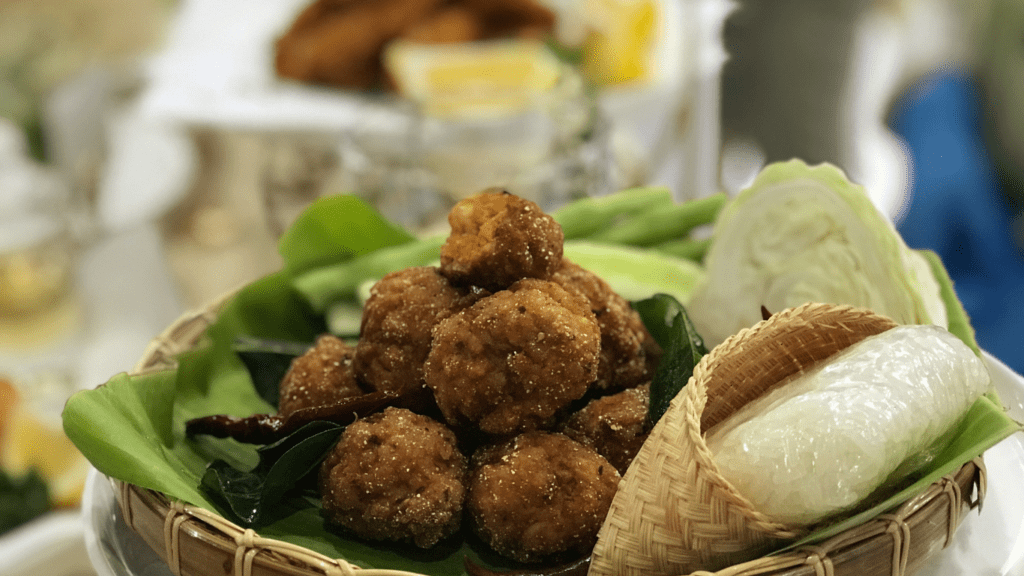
322,376
540,496
511,361
498,238
395,476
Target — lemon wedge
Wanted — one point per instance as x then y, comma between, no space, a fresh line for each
619,44
33,438
472,78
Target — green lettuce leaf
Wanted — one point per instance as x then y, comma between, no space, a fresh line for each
959,322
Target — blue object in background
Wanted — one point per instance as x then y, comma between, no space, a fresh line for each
958,210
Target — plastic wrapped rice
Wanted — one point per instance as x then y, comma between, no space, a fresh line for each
829,437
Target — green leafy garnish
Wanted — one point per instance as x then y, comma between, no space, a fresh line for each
959,323
267,361
337,228
22,498
667,321
282,466
636,273
665,224
588,216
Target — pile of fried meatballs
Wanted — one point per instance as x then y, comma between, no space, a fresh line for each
522,383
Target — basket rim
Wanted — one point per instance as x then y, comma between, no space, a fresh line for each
963,490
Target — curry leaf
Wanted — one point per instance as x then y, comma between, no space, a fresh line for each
282,466
267,361
667,321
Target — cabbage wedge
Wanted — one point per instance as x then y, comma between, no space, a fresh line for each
803,233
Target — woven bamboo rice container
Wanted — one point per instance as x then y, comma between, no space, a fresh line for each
672,512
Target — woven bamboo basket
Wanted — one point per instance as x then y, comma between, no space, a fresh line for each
197,542
675,513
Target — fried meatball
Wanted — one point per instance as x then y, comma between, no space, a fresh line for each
540,496
323,375
628,352
514,359
395,332
498,238
395,476
615,426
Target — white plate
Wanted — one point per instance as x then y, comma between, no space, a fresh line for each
989,543
52,544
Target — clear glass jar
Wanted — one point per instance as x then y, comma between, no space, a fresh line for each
37,253
413,165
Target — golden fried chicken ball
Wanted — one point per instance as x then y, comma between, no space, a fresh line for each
398,319
395,476
629,354
323,375
615,425
498,238
514,359
540,496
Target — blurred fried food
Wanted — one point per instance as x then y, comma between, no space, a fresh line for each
338,43
449,25
341,42
519,18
